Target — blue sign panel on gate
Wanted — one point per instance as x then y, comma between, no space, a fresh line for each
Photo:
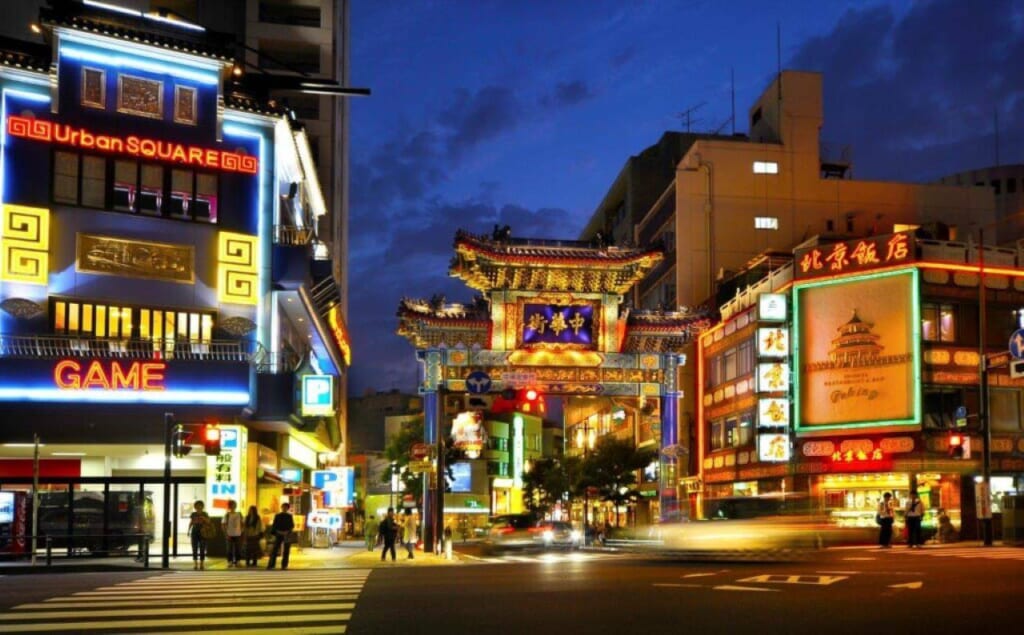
478,382
1017,344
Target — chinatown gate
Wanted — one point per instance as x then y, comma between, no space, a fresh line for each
551,312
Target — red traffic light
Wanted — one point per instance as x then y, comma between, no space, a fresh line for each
211,440
212,433
955,440
531,395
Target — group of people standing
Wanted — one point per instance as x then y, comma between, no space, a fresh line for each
243,534
886,517
389,530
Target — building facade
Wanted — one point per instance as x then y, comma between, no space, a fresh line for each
849,371
159,266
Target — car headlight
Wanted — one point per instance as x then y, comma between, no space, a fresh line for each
548,535
574,535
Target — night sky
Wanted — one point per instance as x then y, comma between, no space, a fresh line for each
523,112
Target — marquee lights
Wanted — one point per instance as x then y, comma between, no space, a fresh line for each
132,145
69,374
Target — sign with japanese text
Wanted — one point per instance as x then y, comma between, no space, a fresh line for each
555,324
773,447
773,342
773,377
225,473
854,256
337,485
773,413
856,353
324,519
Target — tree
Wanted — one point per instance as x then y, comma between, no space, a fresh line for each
545,485
397,451
611,468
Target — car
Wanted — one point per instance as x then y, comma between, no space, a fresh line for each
511,531
557,534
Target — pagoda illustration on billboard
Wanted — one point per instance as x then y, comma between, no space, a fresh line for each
857,346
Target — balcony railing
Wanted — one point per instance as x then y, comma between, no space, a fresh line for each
58,346
292,236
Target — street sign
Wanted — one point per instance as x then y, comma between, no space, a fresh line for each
417,467
1017,344
518,379
478,382
479,402
1016,370
419,451
961,417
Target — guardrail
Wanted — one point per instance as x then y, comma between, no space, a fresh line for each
141,555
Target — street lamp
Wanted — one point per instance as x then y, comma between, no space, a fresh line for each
586,435
394,481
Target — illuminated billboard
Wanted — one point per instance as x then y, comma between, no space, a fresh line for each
773,413
773,342
857,352
773,448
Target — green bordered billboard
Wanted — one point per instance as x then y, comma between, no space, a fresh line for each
857,353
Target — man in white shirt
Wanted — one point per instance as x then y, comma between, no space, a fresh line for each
886,517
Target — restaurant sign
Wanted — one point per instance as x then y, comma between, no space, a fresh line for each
854,256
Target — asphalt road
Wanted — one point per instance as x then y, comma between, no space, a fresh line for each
939,590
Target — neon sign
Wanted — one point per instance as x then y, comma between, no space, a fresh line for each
857,456
854,255
69,374
132,145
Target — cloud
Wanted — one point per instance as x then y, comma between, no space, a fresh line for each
917,94
567,94
475,117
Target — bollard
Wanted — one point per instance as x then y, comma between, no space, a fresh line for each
49,551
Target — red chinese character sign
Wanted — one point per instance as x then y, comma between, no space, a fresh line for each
854,256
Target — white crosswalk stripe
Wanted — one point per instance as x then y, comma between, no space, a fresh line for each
297,601
972,553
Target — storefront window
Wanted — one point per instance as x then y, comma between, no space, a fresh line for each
938,322
1004,409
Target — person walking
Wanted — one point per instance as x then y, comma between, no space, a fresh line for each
388,532
233,531
914,516
282,528
199,528
252,529
370,532
409,537
886,517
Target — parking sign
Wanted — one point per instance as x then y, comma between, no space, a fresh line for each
317,395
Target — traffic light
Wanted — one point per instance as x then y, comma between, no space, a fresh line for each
531,401
179,442
959,446
211,440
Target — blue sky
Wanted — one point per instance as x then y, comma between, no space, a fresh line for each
523,112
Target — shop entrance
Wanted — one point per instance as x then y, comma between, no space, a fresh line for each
95,516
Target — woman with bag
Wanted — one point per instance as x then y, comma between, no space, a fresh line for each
252,531
200,530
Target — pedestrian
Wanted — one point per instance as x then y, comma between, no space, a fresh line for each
388,532
199,528
914,515
885,518
409,537
253,531
946,531
370,532
233,531
282,529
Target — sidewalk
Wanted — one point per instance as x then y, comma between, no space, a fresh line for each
346,555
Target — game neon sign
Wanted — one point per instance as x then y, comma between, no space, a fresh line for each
69,374
132,145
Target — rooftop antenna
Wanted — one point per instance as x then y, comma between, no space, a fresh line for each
687,118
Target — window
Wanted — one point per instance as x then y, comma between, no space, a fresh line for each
289,55
668,294
745,358
106,321
938,322
136,187
94,90
668,239
729,364
1011,186
830,225
745,430
290,13
1004,409
940,405
766,167
717,440
731,435
185,105
766,222
995,186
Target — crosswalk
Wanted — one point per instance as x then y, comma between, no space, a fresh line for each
296,601
972,553
547,557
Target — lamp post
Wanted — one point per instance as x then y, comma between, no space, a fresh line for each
586,435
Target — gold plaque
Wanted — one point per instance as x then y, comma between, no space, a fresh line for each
135,258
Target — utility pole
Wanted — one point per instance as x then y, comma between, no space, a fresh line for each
35,497
983,417
165,555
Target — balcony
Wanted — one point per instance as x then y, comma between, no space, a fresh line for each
292,236
58,346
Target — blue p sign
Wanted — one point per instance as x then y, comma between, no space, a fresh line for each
324,479
318,395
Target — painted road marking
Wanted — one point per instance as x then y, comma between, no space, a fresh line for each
678,585
820,580
698,575
729,587
908,585
860,558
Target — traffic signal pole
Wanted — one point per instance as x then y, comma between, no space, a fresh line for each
165,554
983,415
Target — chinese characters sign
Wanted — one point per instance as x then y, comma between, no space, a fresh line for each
854,256
856,352
551,324
773,342
773,377
773,447
772,413
225,473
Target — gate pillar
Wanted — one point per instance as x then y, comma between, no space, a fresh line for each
667,486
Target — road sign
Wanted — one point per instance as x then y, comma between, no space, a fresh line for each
518,379
479,402
417,467
478,383
1017,344
419,451
1016,370
961,417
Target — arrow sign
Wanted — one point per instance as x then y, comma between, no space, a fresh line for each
908,585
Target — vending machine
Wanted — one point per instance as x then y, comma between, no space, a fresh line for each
14,530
